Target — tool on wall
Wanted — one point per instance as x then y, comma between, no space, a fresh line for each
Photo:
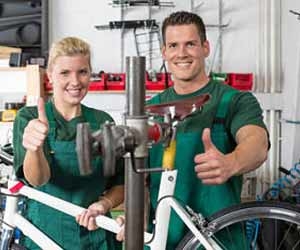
146,36
129,3
295,13
129,24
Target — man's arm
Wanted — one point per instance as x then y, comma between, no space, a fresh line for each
214,167
251,150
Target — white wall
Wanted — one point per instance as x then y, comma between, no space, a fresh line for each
291,83
78,19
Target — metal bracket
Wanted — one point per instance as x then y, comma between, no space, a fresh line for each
129,24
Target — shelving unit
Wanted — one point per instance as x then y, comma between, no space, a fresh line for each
24,24
21,81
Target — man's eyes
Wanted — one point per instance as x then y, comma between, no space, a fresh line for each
173,45
191,44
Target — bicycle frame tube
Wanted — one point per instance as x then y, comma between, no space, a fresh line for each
167,187
11,216
14,219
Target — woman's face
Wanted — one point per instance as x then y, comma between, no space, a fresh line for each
70,77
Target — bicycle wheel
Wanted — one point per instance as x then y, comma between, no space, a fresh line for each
279,227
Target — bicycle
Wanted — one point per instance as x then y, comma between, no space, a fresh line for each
203,231
283,196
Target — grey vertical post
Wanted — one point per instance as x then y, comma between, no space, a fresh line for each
134,183
45,27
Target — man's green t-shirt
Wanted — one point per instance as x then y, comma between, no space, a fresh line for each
243,109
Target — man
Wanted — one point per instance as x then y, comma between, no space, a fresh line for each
214,146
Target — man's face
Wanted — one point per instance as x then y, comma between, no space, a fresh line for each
184,53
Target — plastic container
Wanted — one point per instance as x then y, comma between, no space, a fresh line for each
160,83
223,77
47,84
115,81
99,84
241,81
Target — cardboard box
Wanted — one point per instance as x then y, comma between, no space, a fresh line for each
35,84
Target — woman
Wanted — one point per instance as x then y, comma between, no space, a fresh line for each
45,156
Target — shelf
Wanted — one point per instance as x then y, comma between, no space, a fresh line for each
12,68
113,92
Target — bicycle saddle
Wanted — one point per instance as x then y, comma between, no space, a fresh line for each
179,109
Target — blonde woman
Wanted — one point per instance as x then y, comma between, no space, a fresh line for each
45,156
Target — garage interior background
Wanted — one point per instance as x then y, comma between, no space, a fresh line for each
261,37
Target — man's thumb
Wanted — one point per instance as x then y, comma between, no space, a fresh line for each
41,111
206,139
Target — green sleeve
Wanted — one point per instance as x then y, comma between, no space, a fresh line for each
24,115
118,179
245,110
154,100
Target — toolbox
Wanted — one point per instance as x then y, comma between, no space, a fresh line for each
98,83
116,81
241,81
162,81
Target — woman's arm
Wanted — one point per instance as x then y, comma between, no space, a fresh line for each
35,167
112,198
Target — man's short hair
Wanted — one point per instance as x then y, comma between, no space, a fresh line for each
183,18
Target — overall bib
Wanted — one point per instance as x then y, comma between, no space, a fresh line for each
189,190
67,184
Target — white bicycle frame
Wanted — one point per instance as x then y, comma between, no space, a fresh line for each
156,242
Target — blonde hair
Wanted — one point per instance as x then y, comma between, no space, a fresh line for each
69,46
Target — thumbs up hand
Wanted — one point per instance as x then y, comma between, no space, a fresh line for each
36,130
212,166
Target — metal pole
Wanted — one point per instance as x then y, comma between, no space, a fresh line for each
134,183
45,28
220,39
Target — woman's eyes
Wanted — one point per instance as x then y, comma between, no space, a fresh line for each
81,72
64,73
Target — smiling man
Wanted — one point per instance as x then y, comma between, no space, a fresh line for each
215,146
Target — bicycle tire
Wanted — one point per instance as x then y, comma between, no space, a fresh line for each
245,211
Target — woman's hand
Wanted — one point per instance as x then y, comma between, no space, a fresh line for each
121,221
87,218
36,130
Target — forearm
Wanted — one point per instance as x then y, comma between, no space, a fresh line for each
251,150
114,196
36,168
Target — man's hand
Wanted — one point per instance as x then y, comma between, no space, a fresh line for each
212,166
36,131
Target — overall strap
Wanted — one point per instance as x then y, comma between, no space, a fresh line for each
223,107
222,137
50,117
90,115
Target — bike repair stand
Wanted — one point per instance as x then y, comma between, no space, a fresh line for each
134,182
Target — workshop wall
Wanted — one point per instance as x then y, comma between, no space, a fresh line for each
239,39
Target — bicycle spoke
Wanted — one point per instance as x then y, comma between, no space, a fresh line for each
278,223
285,236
